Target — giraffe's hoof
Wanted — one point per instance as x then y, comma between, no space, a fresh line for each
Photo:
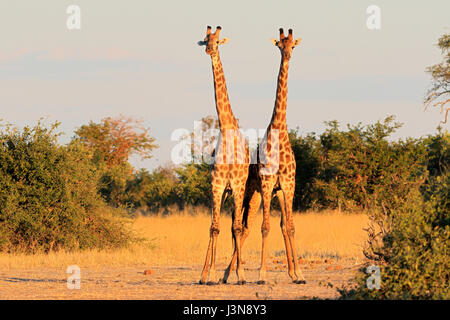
224,281
202,282
300,281
242,282
261,282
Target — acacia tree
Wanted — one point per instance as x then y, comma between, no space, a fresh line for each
439,94
114,140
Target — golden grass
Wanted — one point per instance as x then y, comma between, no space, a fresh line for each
181,239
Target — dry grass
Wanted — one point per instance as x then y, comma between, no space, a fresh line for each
181,239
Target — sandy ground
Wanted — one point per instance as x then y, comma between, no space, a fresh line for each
323,280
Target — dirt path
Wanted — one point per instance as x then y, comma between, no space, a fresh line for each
173,283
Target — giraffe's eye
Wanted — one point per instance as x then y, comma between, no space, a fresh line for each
217,41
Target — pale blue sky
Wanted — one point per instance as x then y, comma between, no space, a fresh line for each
140,58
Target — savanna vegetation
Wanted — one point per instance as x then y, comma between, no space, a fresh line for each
85,194
409,237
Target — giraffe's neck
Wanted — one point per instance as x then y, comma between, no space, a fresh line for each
226,117
278,120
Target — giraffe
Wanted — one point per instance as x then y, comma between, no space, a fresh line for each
260,183
231,163
277,167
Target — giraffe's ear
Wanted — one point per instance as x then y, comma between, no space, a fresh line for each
201,43
275,42
223,41
297,41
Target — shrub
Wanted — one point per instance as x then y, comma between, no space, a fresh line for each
111,143
114,184
357,168
155,190
49,198
306,153
410,239
195,184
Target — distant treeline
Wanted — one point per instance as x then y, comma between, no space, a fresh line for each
75,195
350,169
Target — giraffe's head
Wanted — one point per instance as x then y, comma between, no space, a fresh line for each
286,44
212,41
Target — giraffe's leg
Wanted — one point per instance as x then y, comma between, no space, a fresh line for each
267,185
212,270
282,201
244,235
249,215
209,266
238,192
230,267
205,270
289,196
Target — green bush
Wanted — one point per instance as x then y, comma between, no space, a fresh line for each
410,239
155,190
355,169
306,151
414,252
185,185
49,196
195,184
114,184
